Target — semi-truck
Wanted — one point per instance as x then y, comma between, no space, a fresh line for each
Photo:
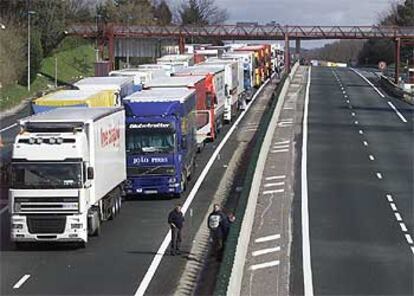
122,85
259,62
231,71
248,69
204,115
67,168
215,90
74,98
160,141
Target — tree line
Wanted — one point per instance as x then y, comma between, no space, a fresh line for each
50,18
372,51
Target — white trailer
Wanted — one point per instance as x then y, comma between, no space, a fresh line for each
186,60
167,68
231,69
68,168
122,86
241,88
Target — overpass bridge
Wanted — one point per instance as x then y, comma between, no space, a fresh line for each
107,33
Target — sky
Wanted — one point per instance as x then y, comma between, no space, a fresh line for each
307,12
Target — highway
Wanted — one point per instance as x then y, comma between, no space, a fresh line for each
119,261
360,190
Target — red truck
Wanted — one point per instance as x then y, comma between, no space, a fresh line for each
204,108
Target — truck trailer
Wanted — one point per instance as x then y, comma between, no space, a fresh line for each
204,115
68,168
74,98
231,71
122,86
215,90
160,141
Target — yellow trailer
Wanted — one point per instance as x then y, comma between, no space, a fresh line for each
72,98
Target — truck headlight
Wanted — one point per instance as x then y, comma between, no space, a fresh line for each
52,141
172,180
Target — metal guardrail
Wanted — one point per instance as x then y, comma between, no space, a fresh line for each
224,274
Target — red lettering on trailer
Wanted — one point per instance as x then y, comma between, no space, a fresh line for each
110,136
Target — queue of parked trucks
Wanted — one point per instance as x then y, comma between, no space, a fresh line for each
136,131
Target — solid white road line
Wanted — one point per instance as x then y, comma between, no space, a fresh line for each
398,112
393,207
267,238
389,197
403,227
371,157
379,175
265,251
3,210
274,184
275,177
8,127
306,253
279,151
273,191
398,217
164,245
264,265
21,281
409,239
369,82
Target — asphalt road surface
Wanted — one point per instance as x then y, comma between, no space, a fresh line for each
360,188
115,262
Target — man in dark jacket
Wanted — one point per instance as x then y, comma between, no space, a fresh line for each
176,222
219,225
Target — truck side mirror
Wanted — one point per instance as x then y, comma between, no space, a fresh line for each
90,173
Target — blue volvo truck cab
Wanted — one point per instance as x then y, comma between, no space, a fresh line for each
160,141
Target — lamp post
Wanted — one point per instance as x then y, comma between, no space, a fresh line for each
128,40
29,13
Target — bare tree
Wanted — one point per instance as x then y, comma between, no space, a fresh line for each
201,12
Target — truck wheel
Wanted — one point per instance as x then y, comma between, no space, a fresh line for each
118,204
113,209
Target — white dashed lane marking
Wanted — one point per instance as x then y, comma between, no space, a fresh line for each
264,265
267,238
274,184
393,206
265,251
273,191
365,143
403,227
398,217
21,281
379,176
371,157
275,177
409,239
389,197
361,132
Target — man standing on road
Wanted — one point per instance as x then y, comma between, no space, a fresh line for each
219,225
176,221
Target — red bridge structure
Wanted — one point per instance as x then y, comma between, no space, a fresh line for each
107,33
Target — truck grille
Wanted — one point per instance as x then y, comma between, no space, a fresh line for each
150,171
46,204
46,224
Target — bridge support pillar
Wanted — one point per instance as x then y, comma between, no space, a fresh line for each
181,44
287,52
297,49
397,60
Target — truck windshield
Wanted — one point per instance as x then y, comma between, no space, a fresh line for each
150,141
45,175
